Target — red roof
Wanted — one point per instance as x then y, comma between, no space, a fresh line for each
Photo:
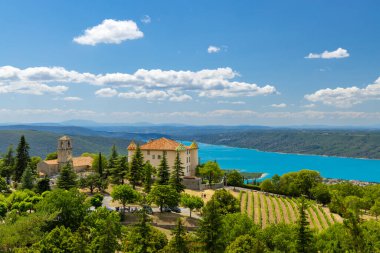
161,144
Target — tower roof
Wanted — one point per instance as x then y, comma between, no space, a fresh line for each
132,146
193,145
64,138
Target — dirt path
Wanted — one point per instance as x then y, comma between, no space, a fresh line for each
323,219
328,214
257,216
279,216
287,215
272,218
243,203
249,205
264,207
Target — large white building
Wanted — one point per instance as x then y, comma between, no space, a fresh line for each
153,151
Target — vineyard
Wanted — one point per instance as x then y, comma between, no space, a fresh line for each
267,209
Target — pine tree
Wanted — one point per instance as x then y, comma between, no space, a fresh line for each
67,178
177,174
178,242
209,230
100,165
113,159
22,158
7,167
163,171
119,171
304,235
136,167
148,181
43,185
27,179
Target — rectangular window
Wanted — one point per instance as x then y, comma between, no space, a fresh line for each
148,152
158,157
153,156
165,153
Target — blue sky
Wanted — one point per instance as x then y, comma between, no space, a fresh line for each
193,62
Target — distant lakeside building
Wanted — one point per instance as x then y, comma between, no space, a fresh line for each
154,150
64,157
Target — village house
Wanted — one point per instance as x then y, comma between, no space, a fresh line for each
154,150
64,157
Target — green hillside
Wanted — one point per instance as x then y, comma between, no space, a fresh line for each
42,143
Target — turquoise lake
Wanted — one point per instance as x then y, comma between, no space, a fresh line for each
250,160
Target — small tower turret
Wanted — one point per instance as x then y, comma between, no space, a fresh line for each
64,151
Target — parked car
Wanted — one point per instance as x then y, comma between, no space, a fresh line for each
166,209
175,209
148,209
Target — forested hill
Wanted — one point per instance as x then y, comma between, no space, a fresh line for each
42,143
344,143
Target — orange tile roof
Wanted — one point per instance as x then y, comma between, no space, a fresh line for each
132,146
51,162
82,161
160,144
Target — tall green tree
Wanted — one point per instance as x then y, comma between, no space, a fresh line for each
43,185
227,203
210,226
177,174
148,180
22,158
8,164
27,179
178,242
114,156
136,167
191,202
100,165
211,171
304,236
234,178
163,171
119,171
125,195
67,178
164,195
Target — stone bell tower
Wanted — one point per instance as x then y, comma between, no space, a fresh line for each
64,151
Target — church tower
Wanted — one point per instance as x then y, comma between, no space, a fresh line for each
64,151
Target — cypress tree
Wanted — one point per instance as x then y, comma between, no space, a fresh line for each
136,167
177,174
67,178
27,179
304,235
43,185
163,171
22,158
148,181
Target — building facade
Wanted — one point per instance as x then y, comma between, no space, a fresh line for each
64,157
154,150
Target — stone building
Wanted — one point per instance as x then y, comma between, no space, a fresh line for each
64,157
153,151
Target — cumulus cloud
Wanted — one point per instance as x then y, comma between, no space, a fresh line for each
339,53
142,83
146,19
346,97
72,99
110,32
231,102
106,92
282,105
213,49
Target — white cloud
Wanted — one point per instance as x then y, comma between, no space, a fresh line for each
309,106
146,19
282,105
346,97
106,92
231,102
72,99
180,98
110,32
213,49
30,88
339,53
204,83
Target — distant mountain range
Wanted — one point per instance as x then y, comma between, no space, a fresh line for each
95,137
